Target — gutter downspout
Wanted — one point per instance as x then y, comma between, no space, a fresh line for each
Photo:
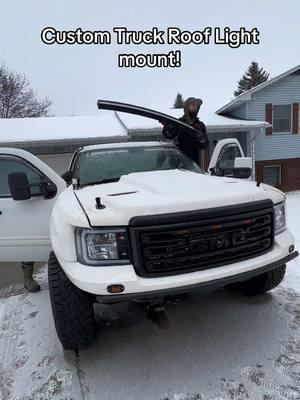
253,134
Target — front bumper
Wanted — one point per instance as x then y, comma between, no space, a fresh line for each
96,279
198,286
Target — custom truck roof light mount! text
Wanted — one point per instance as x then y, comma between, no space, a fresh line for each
171,36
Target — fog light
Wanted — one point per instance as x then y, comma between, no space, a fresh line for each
291,248
115,288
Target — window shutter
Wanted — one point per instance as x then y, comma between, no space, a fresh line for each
269,117
295,127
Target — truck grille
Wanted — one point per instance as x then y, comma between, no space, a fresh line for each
202,240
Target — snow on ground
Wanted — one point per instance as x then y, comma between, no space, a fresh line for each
293,220
210,346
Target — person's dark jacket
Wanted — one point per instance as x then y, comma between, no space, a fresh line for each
189,142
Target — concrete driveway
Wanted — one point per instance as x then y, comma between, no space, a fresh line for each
215,345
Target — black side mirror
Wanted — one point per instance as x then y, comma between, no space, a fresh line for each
242,167
242,173
218,171
19,186
67,176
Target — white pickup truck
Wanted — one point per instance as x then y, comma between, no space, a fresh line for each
139,221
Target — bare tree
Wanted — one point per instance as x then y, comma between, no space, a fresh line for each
17,99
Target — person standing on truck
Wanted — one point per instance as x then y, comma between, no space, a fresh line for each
190,143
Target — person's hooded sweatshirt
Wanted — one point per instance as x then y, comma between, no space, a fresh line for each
188,142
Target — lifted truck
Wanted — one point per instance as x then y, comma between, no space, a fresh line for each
140,221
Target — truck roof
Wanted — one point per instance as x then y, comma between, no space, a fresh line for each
125,145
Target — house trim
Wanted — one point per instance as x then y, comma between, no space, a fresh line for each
246,96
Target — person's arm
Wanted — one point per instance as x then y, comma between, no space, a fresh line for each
201,137
169,131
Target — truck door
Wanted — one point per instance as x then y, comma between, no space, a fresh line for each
223,158
24,224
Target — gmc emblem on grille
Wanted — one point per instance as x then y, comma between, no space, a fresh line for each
219,242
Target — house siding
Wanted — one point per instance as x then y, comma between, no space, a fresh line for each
275,146
285,91
279,148
58,162
240,112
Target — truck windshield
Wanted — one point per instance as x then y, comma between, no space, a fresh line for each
100,166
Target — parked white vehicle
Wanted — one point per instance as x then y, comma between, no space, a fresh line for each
140,221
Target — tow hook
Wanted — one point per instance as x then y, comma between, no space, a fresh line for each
156,311
157,314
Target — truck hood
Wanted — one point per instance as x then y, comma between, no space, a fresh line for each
160,192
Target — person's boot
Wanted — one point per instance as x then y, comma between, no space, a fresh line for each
29,283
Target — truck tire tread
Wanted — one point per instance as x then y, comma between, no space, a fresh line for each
262,283
72,308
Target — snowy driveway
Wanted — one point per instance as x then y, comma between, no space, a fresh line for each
217,345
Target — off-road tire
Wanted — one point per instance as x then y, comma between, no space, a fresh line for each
262,283
72,309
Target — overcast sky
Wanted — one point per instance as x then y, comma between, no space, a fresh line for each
74,77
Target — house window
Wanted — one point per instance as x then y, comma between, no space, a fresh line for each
282,116
272,175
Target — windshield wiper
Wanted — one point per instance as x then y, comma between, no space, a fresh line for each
109,180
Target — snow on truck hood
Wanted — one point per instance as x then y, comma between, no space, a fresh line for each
160,192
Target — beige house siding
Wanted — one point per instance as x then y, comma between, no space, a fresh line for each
58,162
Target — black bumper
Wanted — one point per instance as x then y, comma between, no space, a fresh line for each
191,288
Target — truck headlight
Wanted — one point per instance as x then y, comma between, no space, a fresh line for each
280,224
102,246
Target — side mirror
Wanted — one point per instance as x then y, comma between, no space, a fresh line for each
19,186
242,167
67,176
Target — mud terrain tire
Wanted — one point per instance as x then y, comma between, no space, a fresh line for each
72,309
262,283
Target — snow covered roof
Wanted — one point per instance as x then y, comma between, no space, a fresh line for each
105,124
213,121
246,96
